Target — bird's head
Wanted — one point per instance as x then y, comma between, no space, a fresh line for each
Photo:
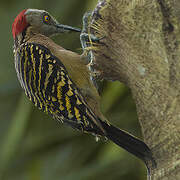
40,21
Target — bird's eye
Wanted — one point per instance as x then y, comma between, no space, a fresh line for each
46,18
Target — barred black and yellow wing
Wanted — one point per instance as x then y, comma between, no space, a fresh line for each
47,84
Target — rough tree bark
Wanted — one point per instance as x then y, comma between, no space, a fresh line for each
141,47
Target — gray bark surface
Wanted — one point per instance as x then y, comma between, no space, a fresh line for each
141,47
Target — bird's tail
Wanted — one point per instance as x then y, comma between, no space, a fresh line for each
129,143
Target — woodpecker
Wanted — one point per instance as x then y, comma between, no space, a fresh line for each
58,81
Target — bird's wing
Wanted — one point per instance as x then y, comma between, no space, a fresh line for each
77,71
54,91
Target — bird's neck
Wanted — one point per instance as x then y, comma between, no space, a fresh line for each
23,37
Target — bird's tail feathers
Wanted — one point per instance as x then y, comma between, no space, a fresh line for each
129,143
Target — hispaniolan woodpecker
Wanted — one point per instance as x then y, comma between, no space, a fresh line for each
58,81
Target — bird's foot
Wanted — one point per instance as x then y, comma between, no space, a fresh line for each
87,39
89,43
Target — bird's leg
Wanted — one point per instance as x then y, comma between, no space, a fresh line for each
86,38
87,41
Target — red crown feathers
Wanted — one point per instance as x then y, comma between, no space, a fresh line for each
19,24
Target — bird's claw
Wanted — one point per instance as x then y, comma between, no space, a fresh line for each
88,39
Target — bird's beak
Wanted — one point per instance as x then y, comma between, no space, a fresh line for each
65,28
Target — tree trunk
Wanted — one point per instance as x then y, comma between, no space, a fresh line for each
140,46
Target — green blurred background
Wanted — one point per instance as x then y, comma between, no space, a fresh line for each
33,146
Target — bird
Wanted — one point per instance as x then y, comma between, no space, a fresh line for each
58,81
